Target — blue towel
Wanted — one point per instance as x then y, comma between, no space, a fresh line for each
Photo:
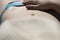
12,4
7,6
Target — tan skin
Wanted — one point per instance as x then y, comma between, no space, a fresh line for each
42,6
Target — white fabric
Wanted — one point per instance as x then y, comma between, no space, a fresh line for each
19,24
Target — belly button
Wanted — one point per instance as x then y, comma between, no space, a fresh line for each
32,14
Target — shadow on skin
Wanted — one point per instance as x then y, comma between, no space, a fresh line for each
51,8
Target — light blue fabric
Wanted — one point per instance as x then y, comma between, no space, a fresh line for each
7,6
12,4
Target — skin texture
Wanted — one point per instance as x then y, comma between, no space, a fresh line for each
52,8
41,5
19,24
